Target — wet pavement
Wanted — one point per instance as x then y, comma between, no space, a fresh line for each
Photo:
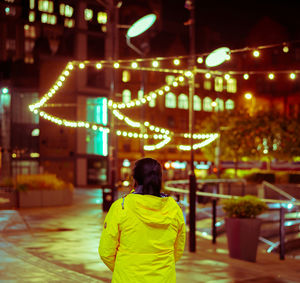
59,244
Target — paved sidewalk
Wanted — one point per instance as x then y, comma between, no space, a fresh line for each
59,244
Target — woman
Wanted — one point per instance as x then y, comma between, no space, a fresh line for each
144,233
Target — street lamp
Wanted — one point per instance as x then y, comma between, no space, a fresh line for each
137,28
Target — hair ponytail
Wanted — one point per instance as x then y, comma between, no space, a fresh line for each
147,173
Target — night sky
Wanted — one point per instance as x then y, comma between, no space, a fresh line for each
231,23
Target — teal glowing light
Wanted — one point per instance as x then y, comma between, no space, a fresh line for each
4,90
217,57
141,25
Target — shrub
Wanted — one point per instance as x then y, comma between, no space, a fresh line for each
243,207
40,182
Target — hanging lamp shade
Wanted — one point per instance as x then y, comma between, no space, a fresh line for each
141,25
217,57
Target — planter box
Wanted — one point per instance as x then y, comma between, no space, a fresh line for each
242,237
45,198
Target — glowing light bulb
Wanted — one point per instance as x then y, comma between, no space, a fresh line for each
116,65
98,66
81,66
167,88
256,53
200,60
227,77
175,84
246,76
248,95
208,75
134,65
285,49
271,76
176,62
155,64
181,79
292,76
214,104
188,74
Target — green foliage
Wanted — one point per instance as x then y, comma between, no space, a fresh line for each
243,207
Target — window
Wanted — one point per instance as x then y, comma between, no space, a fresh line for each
218,84
66,10
125,76
170,100
46,6
88,14
10,44
97,141
220,105
69,23
10,11
126,96
102,18
207,104
183,102
231,85
207,85
29,45
197,103
31,16
48,19
229,104
152,102
170,79
31,4
29,31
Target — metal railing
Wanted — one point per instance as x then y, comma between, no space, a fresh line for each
169,186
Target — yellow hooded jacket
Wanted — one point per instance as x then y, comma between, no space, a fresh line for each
143,236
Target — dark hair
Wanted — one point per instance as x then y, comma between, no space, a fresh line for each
147,173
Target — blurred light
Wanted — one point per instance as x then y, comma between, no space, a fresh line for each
126,163
271,76
214,104
290,206
4,90
126,183
141,25
285,49
208,75
176,62
35,132
155,64
248,95
227,77
81,66
246,76
292,76
217,57
116,65
200,60
134,65
188,74
99,66
167,165
256,53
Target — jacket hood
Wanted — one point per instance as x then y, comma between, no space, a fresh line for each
153,211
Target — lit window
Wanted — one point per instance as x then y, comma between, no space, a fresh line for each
66,10
218,84
170,79
97,141
170,100
220,105
88,14
102,18
152,102
10,11
31,16
31,4
126,96
229,104
29,60
125,76
29,31
140,94
183,102
10,44
29,45
197,103
46,6
48,19
9,1
207,85
231,85
69,23
207,104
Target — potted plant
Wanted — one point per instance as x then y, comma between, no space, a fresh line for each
39,190
242,226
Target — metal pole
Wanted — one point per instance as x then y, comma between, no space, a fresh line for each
214,218
281,234
192,178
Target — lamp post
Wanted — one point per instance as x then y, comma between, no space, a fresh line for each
138,28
